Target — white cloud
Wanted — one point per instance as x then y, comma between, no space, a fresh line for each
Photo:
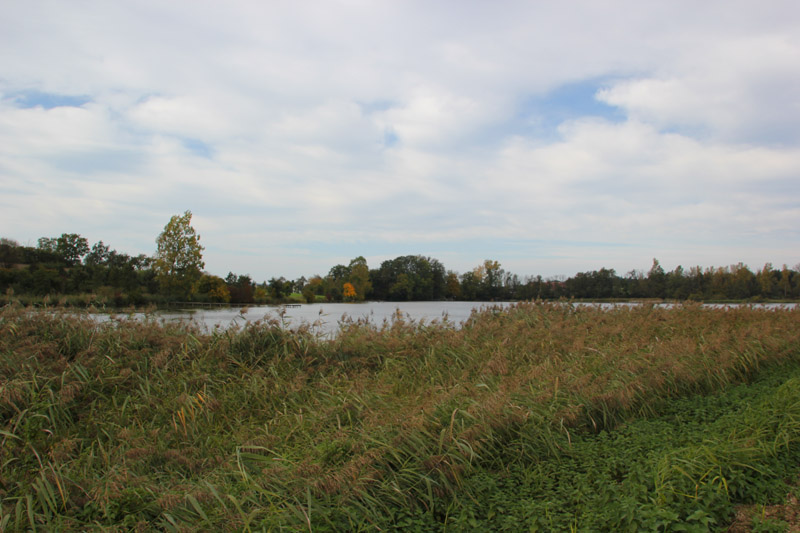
737,90
401,125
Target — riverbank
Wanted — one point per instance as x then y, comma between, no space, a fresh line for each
139,423
118,301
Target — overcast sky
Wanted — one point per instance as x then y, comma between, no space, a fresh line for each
553,137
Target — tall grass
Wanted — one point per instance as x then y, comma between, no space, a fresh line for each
139,424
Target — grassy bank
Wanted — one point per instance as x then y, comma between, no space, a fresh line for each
95,301
683,470
136,424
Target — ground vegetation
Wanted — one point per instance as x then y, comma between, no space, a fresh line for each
538,416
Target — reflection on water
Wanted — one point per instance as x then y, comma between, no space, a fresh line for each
325,319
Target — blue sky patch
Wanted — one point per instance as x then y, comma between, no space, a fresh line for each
543,113
375,106
29,99
198,148
98,163
390,138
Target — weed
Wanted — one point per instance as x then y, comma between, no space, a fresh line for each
420,425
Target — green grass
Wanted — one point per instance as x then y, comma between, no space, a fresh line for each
136,424
680,471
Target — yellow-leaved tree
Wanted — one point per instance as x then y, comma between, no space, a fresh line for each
348,291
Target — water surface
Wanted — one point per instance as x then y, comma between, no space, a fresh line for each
325,319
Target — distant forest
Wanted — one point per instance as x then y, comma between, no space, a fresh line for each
66,271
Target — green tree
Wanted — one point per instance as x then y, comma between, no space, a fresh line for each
47,244
72,247
452,289
491,278
766,280
179,257
470,284
656,281
308,294
677,286
214,289
402,289
743,283
409,277
280,288
786,281
334,282
317,286
359,278
98,255
241,288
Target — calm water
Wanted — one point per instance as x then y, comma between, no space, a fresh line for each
325,319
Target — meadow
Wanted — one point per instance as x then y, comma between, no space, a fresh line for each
537,416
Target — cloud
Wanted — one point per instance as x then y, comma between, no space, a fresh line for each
630,183
560,138
738,90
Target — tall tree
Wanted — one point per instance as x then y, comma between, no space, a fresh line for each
359,278
656,281
491,276
409,277
786,281
179,257
452,289
98,255
47,243
766,278
72,247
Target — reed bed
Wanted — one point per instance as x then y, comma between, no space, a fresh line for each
135,424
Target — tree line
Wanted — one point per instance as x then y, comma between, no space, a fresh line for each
66,269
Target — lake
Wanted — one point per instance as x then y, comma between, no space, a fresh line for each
326,318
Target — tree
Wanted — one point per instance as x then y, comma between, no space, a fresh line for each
214,289
72,247
786,281
179,257
743,283
334,282
765,278
241,288
280,288
308,294
470,284
358,278
677,287
47,244
349,292
98,255
409,277
491,277
452,289
317,285
656,281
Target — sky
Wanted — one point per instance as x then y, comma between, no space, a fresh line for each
553,137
